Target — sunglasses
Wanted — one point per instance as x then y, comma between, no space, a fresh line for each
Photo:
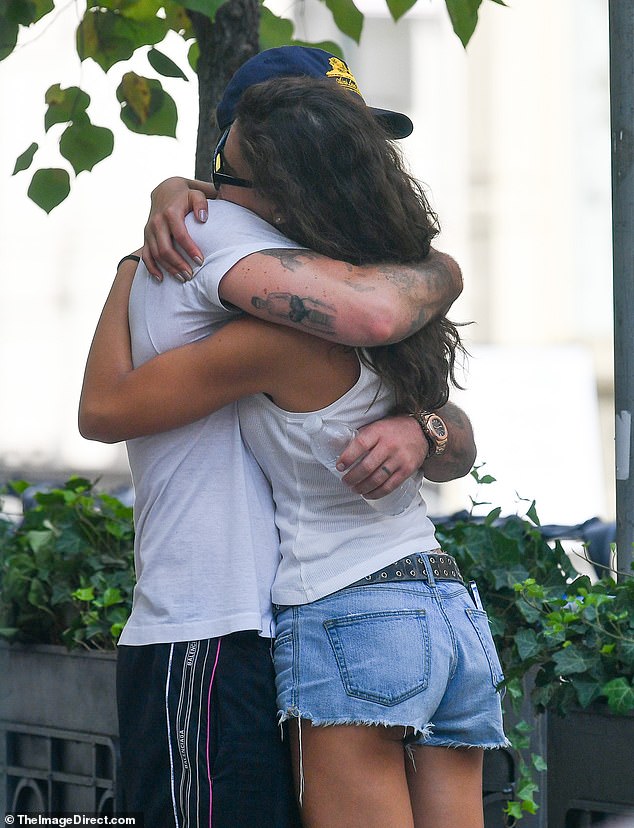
219,177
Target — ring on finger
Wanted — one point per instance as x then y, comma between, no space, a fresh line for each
386,470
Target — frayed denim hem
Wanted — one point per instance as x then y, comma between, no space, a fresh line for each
409,731
449,743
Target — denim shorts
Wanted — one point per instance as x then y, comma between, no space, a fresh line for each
419,655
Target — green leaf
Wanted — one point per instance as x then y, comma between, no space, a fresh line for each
539,763
178,20
64,105
569,661
109,37
42,8
18,486
587,690
85,145
526,790
24,161
130,9
145,106
347,17
193,55
527,644
111,597
84,594
8,36
274,30
399,7
532,514
620,695
38,539
37,594
514,809
22,13
17,11
464,17
165,66
49,187
278,31
626,650
206,7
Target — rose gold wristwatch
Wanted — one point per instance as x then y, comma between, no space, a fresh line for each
435,431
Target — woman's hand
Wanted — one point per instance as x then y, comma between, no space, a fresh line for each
394,450
172,200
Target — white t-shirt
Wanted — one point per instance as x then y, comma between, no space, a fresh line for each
206,547
329,536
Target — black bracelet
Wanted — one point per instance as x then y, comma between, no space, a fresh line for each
131,258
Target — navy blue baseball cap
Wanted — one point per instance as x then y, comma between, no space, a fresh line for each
291,61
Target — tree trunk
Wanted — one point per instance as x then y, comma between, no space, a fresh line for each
225,45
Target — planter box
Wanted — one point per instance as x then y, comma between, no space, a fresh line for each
590,767
58,730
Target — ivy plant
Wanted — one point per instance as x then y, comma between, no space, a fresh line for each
565,642
67,568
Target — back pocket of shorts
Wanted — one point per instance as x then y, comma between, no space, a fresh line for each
480,622
382,657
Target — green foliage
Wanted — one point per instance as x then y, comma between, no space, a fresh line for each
584,644
67,568
206,7
398,8
464,17
145,106
164,65
24,161
85,145
49,187
109,36
64,105
278,31
570,641
347,17
112,31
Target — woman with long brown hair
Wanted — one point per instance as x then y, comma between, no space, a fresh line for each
385,664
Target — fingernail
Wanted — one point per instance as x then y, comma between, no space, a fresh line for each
202,215
186,276
198,261
340,467
179,277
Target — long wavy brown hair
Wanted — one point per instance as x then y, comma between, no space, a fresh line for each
341,186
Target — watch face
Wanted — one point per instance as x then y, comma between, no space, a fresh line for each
437,426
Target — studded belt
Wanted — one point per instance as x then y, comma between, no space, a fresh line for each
412,568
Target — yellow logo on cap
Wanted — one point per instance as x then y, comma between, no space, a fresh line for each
342,75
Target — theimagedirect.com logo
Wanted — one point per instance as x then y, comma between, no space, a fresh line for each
66,819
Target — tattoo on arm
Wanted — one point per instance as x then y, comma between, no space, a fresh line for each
307,312
310,313
292,259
